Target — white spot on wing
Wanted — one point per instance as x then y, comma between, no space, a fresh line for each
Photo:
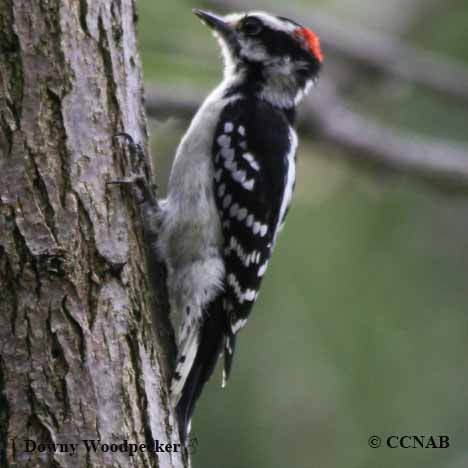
262,269
248,184
227,201
239,176
224,141
227,153
251,160
241,130
248,295
241,215
236,326
221,190
253,256
228,127
256,227
234,209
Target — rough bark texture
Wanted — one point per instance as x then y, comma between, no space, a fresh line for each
79,357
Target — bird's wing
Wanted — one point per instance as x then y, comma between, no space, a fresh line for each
254,155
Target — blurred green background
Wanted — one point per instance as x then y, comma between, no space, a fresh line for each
361,327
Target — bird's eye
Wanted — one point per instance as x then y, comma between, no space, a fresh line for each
251,26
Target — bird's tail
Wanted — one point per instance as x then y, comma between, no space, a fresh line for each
229,348
196,362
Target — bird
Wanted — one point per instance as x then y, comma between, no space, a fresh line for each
229,191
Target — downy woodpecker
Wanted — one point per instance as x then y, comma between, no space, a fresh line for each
229,190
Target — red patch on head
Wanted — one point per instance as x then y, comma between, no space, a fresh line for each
312,42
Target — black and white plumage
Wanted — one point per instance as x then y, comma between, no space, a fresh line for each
229,191
254,163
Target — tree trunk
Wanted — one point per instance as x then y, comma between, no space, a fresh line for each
79,356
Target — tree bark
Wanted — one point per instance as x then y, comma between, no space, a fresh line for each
79,358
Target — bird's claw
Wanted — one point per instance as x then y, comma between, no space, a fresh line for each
138,159
139,176
125,135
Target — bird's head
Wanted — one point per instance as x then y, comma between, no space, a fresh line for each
278,56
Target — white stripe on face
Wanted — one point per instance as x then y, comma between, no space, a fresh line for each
269,20
273,22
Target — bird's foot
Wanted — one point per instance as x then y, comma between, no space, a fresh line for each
140,175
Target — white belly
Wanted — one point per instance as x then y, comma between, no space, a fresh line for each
190,236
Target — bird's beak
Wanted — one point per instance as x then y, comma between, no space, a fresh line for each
214,22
